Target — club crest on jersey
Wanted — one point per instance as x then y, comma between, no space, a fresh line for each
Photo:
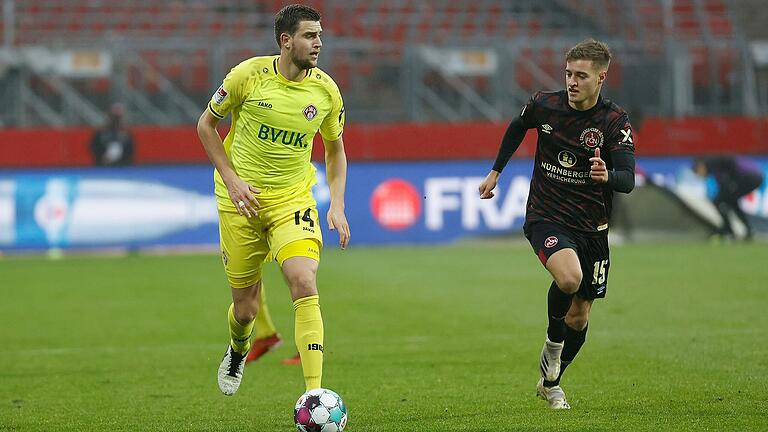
591,138
550,242
566,158
220,95
310,112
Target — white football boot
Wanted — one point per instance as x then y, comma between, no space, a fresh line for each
550,360
555,396
231,371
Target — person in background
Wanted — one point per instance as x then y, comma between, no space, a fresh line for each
735,178
112,144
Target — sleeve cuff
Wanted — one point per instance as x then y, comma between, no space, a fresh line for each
217,115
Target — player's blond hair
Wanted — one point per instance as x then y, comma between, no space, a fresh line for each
590,49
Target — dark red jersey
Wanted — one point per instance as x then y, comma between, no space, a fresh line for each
561,188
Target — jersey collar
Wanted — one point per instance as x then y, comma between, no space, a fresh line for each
285,80
579,112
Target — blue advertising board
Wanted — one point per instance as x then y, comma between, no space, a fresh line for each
386,203
99,207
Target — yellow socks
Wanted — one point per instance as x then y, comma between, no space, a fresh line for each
309,339
240,334
264,326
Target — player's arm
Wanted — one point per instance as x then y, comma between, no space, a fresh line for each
239,191
336,173
621,177
511,141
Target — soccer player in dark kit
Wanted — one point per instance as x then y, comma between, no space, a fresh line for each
585,152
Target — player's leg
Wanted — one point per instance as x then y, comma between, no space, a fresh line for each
594,255
244,249
300,273
575,334
296,241
565,268
265,336
744,219
242,316
746,185
725,201
576,326
557,252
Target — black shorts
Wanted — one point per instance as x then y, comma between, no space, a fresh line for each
547,238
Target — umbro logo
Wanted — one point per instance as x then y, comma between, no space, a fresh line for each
266,105
546,128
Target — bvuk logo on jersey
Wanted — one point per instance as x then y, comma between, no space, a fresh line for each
310,112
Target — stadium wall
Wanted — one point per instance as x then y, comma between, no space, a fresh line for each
68,147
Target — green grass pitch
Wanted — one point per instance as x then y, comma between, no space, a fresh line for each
417,339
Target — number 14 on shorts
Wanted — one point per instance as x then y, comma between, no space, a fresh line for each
307,217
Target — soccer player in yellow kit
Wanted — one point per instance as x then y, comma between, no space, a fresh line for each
263,179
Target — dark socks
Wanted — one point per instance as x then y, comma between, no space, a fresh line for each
558,304
574,339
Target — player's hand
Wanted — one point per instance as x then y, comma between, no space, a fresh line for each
488,185
243,196
598,170
337,221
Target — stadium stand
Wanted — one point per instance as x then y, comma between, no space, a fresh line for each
168,56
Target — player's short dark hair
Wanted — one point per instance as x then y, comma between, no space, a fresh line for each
289,17
591,49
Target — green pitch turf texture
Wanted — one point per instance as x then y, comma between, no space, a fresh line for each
416,339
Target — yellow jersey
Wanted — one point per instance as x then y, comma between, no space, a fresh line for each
274,121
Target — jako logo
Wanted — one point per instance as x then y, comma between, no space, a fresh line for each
266,105
396,204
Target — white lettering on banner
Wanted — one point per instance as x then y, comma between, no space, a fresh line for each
438,200
446,194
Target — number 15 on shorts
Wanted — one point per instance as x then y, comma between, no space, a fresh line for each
598,277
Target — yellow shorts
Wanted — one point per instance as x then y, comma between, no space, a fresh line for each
246,243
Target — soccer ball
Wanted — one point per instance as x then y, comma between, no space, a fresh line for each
320,410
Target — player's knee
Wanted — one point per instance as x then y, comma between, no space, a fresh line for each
244,315
576,321
302,283
246,310
569,282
